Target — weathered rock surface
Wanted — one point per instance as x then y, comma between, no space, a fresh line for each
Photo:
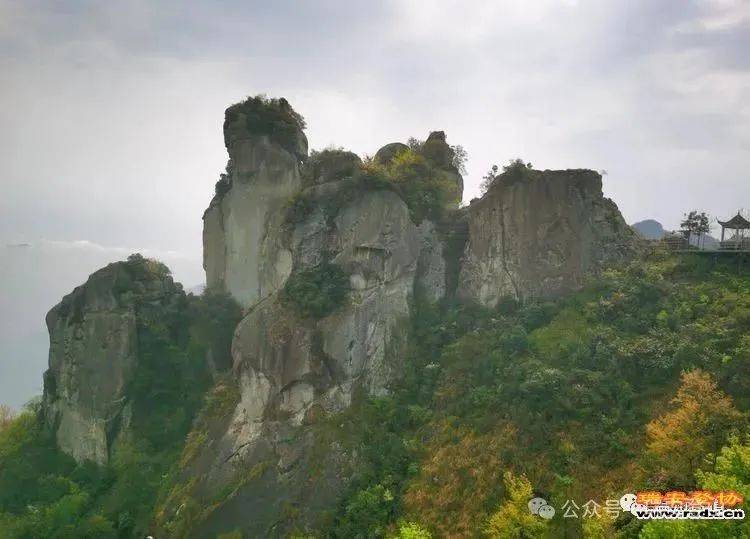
263,464
94,355
242,250
540,235
537,236
330,165
386,154
292,371
441,155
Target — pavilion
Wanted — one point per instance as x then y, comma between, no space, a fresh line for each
738,240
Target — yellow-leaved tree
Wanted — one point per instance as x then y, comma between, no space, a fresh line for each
701,419
458,478
514,519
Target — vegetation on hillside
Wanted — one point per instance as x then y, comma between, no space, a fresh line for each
316,292
458,155
329,164
636,383
44,493
425,188
639,382
515,170
7,415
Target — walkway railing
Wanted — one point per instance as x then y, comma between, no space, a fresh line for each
735,245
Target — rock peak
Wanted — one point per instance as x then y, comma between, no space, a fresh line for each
261,116
94,353
437,135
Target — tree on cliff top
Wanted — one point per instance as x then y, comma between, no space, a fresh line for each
264,115
515,169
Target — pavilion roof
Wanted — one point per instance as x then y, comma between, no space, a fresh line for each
737,222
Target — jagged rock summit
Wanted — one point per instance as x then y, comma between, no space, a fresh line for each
327,254
284,218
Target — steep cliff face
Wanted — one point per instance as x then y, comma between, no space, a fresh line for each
94,354
274,223
326,257
293,370
540,234
242,252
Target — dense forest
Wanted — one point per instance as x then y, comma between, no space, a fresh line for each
638,382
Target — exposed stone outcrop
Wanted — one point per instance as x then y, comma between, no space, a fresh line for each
330,165
438,154
540,234
94,354
257,465
441,155
242,250
386,154
292,371
289,369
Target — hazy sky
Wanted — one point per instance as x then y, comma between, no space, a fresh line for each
111,113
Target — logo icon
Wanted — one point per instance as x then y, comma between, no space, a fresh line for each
627,501
540,507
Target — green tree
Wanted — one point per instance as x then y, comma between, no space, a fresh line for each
696,224
411,530
732,473
488,179
460,157
316,292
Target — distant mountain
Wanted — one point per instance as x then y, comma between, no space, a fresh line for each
653,230
650,229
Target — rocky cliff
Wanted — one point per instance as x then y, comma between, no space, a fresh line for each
241,242
281,222
326,253
94,353
540,234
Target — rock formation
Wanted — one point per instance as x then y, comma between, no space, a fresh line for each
326,256
94,354
437,151
242,254
540,234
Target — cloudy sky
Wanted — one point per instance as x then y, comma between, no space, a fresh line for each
111,112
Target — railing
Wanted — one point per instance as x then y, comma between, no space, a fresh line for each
676,243
735,245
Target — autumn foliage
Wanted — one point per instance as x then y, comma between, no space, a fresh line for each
699,422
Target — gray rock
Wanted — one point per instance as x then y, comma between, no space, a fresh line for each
537,237
94,355
291,370
386,154
243,252
540,236
330,165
